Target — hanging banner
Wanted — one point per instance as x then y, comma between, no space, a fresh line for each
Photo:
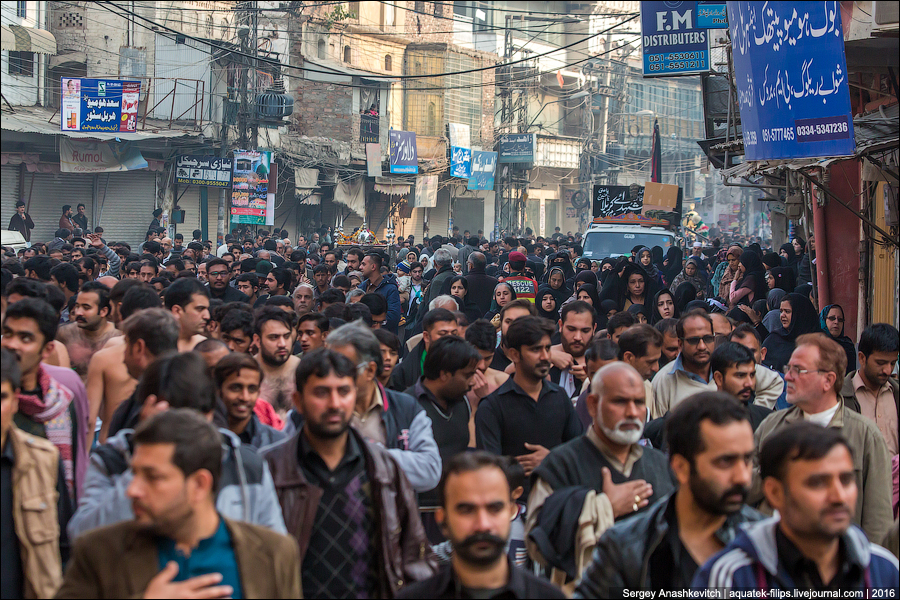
211,171
250,186
98,157
426,191
373,160
484,164
517,148
616,200
459,135
109,105
671,41
791,77
460,162
403,155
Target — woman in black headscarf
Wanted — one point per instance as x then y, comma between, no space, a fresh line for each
771,320
582,278
503,295
783,278
658,257
663,307
588,293
771,260
790,257
750,285
645,259
546,304
672,264
607,309
459,288
562,260
556,281
798,316
640,312
632,286
684,293
831,320
607,266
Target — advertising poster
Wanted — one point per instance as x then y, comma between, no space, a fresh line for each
109,105
671,40
84,156
403,155
250,186
484,165
790,71
211,171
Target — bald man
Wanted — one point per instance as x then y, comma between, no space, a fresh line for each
624,476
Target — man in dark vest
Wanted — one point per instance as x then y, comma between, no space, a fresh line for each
608,460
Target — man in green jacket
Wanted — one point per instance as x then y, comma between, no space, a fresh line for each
814,377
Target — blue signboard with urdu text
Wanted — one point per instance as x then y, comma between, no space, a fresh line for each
460,162
671,41
790,71
516,148
484,165
404,157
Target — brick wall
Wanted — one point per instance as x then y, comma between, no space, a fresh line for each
322,110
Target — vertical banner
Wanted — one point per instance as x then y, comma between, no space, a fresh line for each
790,71
484,164
373,160
250,187
426,191
403,155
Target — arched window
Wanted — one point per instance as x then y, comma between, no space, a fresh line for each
388,62
346,54
321,50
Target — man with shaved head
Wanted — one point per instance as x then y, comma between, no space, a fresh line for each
624,477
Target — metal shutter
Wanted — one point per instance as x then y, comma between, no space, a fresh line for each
439,216
51,191
190,204
9,185
127,210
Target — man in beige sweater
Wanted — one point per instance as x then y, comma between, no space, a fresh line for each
689,373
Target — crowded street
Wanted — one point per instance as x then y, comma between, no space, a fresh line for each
449,299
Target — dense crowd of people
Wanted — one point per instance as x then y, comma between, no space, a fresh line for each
458,418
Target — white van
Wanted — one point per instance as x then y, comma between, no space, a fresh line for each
602,240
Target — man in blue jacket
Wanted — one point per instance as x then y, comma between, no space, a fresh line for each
376,283
808,476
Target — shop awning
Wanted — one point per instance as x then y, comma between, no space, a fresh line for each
27,39
392,186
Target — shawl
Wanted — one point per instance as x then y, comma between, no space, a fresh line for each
654,310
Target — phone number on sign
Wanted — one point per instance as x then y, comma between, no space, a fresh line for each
778,134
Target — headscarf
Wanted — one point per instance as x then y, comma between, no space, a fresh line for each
754,247
739,316
542,292
636,309
654,310
563,261
684,293
771,260
467,305
804,290
772,320
605,307
618,287
792,257
802,243
564,292
845,342
582,261
785,278
494,308
657,253
585,277
804,318
696,279
603,274
651,269
636,252
694,304
727,274
754,277
591,290
672,265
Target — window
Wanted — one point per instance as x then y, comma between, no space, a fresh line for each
438,9
420,6
387,14
22,9
21,63
347,54
354,8
388,62
321,50
424,98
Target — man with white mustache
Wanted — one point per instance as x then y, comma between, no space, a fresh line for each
624,476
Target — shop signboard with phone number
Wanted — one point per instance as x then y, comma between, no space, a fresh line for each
671,40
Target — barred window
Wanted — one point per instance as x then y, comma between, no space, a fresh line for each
424,106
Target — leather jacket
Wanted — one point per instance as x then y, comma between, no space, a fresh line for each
405,555
622,557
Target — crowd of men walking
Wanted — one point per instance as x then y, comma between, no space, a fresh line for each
454,419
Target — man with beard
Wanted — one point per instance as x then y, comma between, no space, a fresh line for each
528,415
376,283
808,474
710,451
354,259
219,275
273,334
576,329
177,467
237,330
617,475
346,500
447,375
474,513
188,301
733,368
238,377
689,372
91,329
770,390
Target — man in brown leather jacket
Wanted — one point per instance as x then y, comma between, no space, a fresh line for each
347,503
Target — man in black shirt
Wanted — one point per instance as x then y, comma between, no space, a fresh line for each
576,329
219,275
476,508
527,416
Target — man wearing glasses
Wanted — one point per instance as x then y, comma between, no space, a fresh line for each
219,275
814,376
689,373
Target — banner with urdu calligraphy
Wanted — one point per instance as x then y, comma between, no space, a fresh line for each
790,72
616,200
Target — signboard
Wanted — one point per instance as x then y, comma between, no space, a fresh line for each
368,129
426,191
98,157
109,105
403,155
460,162
671,41
459,135
250,186
373,160
210,171
791,77
517,148
660,196
484,164
711,15
617,200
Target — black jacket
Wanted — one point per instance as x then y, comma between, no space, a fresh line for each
481,289
622,558
231,295
443,584
407,373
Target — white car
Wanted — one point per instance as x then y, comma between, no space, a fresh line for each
605,240
13,239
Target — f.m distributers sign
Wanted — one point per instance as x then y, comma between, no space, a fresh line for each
672,42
